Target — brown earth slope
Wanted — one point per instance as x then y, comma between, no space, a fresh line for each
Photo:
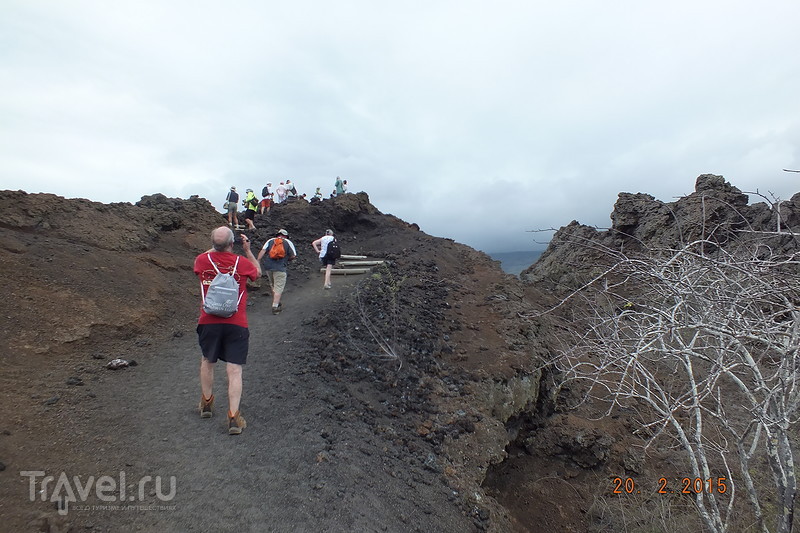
377,406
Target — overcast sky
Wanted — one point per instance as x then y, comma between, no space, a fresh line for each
477,120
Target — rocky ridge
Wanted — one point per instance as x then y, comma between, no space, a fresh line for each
716,211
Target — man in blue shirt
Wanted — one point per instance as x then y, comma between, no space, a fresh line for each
276,253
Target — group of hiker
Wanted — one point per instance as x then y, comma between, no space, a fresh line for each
222,328
285,191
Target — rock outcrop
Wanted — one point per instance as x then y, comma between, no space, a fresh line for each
716,211
579,440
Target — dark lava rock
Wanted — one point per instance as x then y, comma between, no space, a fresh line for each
716,211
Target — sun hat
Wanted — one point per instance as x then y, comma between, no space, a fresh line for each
283,232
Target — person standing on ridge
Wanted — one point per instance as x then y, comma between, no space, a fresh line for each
338,186
276,253
321,247
280,193
291,190
250,205
233,205
224,339
265,203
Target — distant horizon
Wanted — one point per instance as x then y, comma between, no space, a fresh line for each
515,262
538,249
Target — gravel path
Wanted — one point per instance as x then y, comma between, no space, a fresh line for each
310,459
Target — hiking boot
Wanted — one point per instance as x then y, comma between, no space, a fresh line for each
326,286
277,309
236,423
206,407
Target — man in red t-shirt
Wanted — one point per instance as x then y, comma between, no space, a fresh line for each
221,338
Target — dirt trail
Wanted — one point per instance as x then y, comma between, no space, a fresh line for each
340,437
306,462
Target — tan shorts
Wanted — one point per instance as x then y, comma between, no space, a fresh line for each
277,280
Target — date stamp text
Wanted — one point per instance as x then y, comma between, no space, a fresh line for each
678,485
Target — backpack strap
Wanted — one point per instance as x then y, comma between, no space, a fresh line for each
233,273
202,289
235,265
212,263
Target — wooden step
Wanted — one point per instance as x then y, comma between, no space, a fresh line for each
353,257
346,271
359,263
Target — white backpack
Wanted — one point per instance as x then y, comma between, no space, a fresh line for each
223,296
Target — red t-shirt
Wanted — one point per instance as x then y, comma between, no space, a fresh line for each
225,261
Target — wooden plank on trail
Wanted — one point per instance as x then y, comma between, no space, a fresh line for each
346,271
359,263
353,257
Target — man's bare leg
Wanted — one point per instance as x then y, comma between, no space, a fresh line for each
234,386
206,378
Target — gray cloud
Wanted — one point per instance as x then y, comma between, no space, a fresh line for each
477,121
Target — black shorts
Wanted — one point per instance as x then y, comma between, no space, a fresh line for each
225,342
250,214
327,261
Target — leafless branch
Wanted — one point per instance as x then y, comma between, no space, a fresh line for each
706,343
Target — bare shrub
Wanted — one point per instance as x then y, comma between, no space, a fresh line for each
377,305
638,513
703,344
